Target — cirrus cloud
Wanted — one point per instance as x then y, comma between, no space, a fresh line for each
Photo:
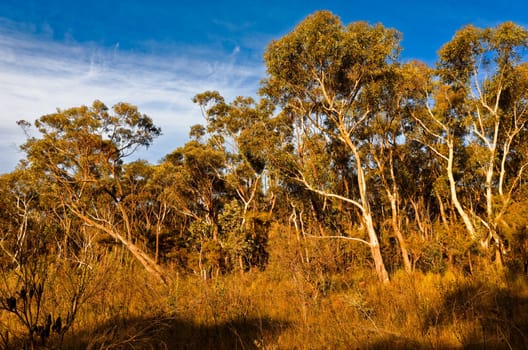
38,75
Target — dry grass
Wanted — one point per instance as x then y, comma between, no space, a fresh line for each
300,305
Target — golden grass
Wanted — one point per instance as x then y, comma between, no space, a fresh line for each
295,304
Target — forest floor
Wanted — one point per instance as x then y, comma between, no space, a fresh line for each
296,304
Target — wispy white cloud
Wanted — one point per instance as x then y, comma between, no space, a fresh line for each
37,76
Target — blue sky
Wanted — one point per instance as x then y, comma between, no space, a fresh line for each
158,54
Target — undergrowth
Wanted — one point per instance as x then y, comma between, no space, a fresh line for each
299,302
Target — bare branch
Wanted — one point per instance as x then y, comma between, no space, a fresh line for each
427,129
327,194
340,237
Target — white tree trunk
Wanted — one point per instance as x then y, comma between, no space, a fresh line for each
454,198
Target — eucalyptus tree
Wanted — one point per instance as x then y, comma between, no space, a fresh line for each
200,166
385,143
318,75
476,119
243,127
244,130
80,154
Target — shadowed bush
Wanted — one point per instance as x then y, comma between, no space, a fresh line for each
173,333
485,315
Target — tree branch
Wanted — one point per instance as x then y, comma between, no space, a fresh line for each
340,237
330,195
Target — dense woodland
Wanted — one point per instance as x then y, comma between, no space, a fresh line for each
361,201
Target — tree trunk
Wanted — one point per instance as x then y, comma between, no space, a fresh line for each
396,227
454,198
381,271
148,263
367,217
156,254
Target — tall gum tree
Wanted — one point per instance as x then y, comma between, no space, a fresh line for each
244,131
385,142
80,154
317,74
477,117
243,127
